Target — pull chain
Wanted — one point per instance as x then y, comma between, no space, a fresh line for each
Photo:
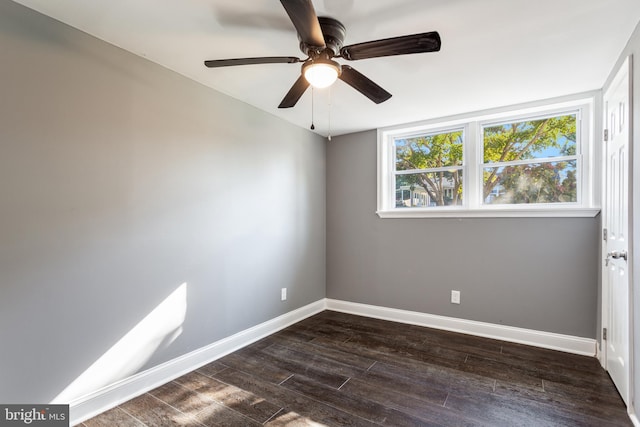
329,135
312,98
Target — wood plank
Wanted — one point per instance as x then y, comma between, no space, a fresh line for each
255,407
295,403
427,407
154,412
199,407
353,404
113,417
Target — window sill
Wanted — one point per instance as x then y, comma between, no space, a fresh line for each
490,213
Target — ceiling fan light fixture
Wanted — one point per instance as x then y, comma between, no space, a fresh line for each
321,73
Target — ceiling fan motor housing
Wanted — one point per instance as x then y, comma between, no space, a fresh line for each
334,34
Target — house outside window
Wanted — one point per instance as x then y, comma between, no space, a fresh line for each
529,162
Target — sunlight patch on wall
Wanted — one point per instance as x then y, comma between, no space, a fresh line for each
159,328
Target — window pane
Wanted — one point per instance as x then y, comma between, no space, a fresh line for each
429,151
549,182
420,190
531,139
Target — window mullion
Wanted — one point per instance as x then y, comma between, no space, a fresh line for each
472,158
429,170
530,161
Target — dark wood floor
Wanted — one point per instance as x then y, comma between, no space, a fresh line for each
335,369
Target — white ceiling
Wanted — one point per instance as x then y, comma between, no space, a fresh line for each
494,52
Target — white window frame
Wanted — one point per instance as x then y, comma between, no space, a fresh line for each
434,131
587,204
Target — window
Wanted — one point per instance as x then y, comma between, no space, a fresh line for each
533,162
530,161
428,169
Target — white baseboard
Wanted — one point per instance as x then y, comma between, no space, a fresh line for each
634,420
113,395
566,343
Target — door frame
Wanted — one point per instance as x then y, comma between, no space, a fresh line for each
604,295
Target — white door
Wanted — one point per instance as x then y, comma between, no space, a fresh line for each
616,223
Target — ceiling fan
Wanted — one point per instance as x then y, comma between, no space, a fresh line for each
321,39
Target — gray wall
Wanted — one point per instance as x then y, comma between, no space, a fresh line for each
536,273
633,48
121,180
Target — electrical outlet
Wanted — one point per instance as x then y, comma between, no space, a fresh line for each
283,294
455,297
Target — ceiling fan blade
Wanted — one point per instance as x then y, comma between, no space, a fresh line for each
304,18
214,63
403,45
294,94
364,85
